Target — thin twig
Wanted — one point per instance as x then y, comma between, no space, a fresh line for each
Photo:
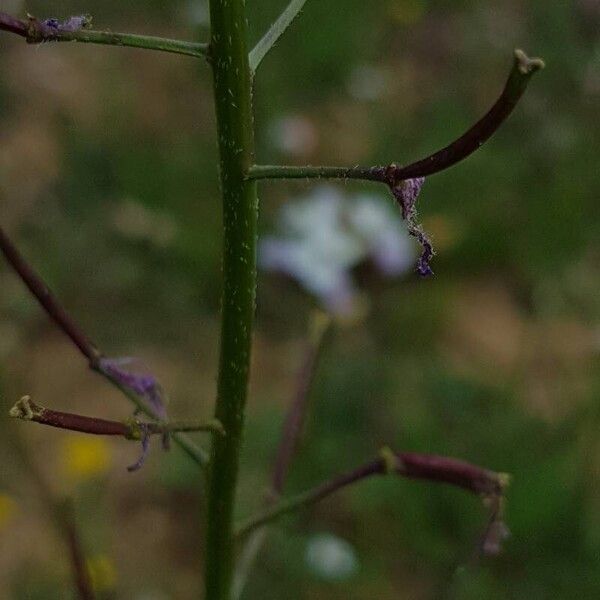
46,298
67,324
439,469
36,32
65,516
309,172
291,433
28,410
296,416
516,84
62,513
520,75
274,32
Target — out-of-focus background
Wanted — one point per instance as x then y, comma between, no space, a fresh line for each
108,184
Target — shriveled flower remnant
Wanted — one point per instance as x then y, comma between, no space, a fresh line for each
324,236
74,23
145,385
406,193
122,370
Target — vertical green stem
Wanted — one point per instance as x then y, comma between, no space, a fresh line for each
233,102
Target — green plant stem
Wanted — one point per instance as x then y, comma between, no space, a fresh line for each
132,40
35,32
274,33
233,103
291,433
310,172
307,498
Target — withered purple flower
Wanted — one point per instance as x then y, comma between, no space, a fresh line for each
145,439
74,23
406,193
52,22
427,253
143,384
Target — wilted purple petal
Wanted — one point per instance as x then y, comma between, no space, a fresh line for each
143,384
71,24
52,23
76,23
406,193
145,449
427,254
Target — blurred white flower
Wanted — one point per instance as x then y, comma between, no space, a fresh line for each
325,235
331,557
378,223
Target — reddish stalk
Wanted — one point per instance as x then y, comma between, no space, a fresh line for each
412,465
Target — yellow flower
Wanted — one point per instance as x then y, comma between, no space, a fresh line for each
84,457
8,508
103,573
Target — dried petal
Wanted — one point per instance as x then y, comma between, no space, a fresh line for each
406,193
52,22
143,384
145,449
74,23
